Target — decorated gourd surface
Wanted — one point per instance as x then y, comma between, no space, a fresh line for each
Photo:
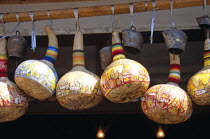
123,80
79,88
13,103
167,103
198,86
38,78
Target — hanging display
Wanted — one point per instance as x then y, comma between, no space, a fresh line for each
79,88
123,80
38,78
13,103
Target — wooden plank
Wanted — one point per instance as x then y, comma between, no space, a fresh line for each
3,2
102,10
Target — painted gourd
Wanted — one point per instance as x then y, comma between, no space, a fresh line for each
167,103
123,80
198,86
38,78
79,88
13,103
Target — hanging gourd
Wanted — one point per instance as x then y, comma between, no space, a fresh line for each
123,80
38,78
13,103
167,103
79,88
198,85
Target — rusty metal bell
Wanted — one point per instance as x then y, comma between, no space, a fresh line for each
203,22
16,45
175,40
132,40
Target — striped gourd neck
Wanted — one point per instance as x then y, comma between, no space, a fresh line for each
3,65
174,74
51,54
78,58
206,58
117,52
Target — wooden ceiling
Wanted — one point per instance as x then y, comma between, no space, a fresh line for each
96,10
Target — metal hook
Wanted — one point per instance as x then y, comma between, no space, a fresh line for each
76,15
51,23
171,9
17,17
33,32
153,21
113,17
204,7
146,6
131,13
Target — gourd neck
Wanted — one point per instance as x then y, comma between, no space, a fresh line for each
3,58
78,50
174,73
117,49
52,50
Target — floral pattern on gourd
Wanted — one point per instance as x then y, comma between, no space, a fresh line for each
39,72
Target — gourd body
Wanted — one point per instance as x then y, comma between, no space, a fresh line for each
198,86
79,89
166,104
124,80
13,103
36,78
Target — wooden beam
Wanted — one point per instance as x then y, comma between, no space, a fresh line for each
102,10
4,2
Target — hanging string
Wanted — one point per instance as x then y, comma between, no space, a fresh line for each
13,29
153,21
51,23
171,5
33,32
113,17
131,13
77,18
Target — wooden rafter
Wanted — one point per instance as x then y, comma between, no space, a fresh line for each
2,2
102,10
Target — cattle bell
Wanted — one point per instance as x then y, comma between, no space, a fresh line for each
203,22
16,45
132,40
175,40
